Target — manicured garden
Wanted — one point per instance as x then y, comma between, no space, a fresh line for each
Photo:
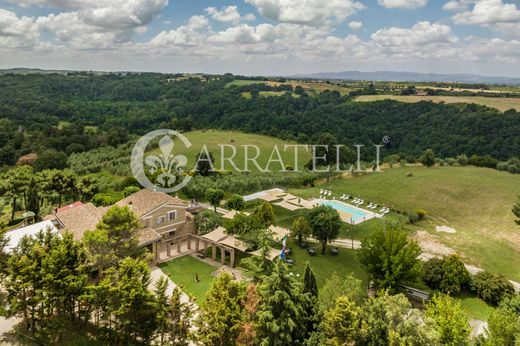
183,271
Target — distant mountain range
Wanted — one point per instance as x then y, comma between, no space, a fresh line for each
395,76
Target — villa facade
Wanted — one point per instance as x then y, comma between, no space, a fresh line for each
165,219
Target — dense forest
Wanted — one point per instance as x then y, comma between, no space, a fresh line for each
57,115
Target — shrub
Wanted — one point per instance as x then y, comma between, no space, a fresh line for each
448,275
455,275
433,272
130,190
513,169
502,166
207,221
492,287
412,217
462,160
451,161
105,199
483,161
421,213
428,158
129,181
236,202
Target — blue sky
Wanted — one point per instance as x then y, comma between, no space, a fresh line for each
263,36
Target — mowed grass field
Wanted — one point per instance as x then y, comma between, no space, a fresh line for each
500,103
476,202
215,140
182,272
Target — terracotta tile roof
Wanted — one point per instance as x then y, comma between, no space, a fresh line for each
79,219
83,217
146,200
147,235
67,207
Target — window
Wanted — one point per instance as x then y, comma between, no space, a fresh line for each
171,215
160,220
171,233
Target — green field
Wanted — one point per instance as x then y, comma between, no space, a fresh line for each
476,202
325,265
242,82
213,138
182,272
500,103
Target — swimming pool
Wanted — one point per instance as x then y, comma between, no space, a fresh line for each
358,215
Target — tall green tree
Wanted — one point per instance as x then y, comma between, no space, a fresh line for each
14,183
61,182
265,212
504,323
325,224
390,320
300,229
336,286
131,304
257,267
180,316
122,226
87,187
341,324
389,257
33,198
281,317
215,196
309,281
450,320
220,316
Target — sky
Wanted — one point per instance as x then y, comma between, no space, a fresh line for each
263,37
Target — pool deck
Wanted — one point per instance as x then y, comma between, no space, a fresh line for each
346,217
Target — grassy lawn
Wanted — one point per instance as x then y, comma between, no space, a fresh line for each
325,265
476,202
182,272
213,138
475,307
500,103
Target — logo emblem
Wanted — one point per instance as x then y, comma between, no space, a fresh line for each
161,171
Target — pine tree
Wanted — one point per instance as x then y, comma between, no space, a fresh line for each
180,316
281,318
220,316
33,199
309,282
162,308
247,329
130,302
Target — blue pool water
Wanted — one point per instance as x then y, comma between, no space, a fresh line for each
357,215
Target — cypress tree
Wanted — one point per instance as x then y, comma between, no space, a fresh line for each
309,281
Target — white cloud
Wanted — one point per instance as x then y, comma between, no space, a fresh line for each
489,12
406,4
15,31
308,12
198,22
226,14
423,39
355,25
457,5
